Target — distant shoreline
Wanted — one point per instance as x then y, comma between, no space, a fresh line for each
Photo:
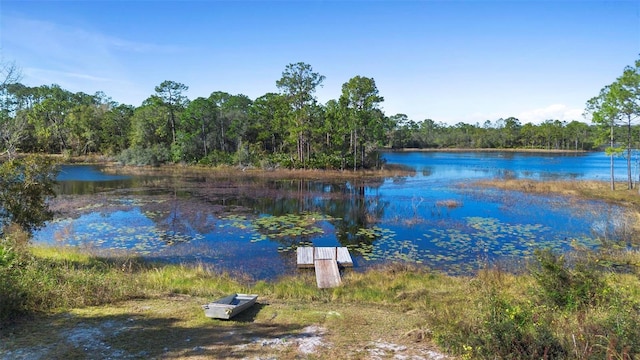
528,150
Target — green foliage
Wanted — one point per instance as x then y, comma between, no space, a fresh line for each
507,329
13,245
11,296
327,161
618,105
577,312
140,156
25,186
7,256
218,157
360,105
565,287
613,151
115,128
517,331
169,94
279,159
621,326
298,84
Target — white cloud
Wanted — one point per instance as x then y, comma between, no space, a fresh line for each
554,112
78,59
560,112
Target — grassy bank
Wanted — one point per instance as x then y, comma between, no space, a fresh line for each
61,303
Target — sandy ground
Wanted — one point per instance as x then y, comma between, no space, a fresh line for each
92,342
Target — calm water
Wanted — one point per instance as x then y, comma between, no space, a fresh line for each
253,224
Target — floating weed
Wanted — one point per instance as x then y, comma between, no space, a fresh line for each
141,238
481,238
293,247
90,207
289,226
385,246
376,232
155,214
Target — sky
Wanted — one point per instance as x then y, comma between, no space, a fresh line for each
449,61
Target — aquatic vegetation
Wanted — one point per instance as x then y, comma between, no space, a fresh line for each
376,233
449,203
90,207
297,228
486,239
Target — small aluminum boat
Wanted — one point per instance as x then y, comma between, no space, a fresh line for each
229,306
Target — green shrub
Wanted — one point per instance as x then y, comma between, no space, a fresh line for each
12,255
7,256
217,157
565,287
517,331
282,160
12,297
327,161
26,184
138,156
621,328
506,329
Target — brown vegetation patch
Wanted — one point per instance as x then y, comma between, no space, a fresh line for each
598,190
389,170
449,203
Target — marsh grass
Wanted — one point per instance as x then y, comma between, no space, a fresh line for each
226,171
583,189
449,203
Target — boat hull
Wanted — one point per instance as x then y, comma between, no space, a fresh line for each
229,306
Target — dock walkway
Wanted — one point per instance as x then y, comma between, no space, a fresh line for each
325,260
307,255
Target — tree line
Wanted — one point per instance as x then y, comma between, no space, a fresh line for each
288,128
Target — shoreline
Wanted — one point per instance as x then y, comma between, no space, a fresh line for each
513,150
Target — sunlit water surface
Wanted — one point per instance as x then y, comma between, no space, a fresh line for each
252,225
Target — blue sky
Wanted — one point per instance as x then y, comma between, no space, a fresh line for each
450,61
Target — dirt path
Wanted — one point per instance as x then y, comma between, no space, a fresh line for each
177,329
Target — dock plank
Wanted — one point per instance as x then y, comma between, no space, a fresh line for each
344,258
305,256
324,253
327,273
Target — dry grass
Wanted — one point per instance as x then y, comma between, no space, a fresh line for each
449,203
584,189
236,171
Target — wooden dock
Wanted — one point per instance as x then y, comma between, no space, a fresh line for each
307,255
325,260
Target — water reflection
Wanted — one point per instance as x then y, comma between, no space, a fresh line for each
253,224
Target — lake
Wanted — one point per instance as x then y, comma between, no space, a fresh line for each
251,224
